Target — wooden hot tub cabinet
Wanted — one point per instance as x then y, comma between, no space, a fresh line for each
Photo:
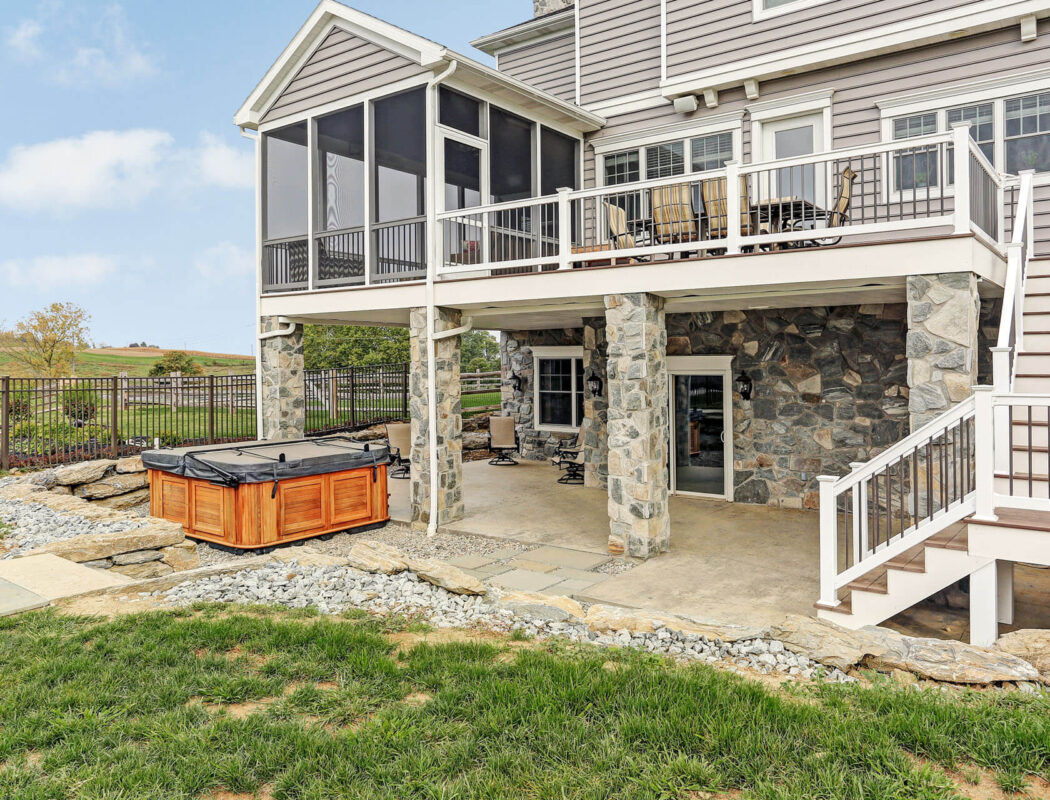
254,515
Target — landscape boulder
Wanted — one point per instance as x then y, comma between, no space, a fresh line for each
448,577
308,556
1031,645
605,619
123,502
181,556
95,546
825,643
130,464
83,472
547,607
113,485
150,569
376,557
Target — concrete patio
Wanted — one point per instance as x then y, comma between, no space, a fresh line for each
731,563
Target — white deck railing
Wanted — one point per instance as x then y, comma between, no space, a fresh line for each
947,469
901,188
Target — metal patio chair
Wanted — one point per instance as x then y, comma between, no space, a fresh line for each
837,215
571,463
503,440
399,438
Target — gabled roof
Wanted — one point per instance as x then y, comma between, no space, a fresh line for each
429,55
561,21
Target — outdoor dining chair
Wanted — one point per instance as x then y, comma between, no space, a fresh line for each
503,440
715,195
619,235
571,462
838,214
674,215
399,439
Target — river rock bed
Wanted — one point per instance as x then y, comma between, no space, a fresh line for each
333,589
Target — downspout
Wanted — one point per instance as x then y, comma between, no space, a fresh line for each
257,141
432,335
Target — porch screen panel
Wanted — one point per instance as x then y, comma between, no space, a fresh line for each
286,166
557,162
341,153
460,112
510,156
400,147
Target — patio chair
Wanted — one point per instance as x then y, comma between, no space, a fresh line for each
399,438
503,439
674,215
619,236
838,214
715,195
568,446
571,462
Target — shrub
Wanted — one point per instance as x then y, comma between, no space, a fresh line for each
80,405
168,438
19,406
37,438
176,361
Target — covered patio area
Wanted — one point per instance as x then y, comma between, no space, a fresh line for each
730,563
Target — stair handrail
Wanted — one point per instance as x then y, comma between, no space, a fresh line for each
1011,323
832,487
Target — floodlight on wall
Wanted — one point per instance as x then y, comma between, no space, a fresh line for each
686,105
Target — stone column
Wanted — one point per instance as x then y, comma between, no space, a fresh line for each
943,322
639,523
283,391
594,430
449,419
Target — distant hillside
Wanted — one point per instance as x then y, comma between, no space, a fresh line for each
136,361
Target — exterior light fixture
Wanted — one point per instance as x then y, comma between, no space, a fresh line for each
744,385
515,381
594,384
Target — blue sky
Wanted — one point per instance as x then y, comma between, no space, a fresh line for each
124,185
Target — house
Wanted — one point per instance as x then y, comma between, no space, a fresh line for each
758,250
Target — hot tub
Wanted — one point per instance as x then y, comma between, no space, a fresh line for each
260,494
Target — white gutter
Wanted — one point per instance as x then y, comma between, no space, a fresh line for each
287,330
257,141
432,335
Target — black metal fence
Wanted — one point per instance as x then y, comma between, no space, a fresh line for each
51,421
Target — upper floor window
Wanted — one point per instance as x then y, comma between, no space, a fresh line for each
711,152
917,168
621,168
769,8
667,159
1028,133
286,182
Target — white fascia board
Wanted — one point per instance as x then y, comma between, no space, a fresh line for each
714,123
527,32
975,18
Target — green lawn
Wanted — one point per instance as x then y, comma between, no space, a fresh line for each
286,705
106,365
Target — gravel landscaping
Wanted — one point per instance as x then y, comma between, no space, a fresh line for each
332,589
31,525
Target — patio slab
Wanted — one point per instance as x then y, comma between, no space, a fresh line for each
565,558
15,599
524,580
52,577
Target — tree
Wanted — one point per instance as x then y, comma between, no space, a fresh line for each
46,342
334,346
176,361
480,352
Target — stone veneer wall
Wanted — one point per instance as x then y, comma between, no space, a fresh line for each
830,387
449,418
515,349
595,429
283,391
944,315
541,7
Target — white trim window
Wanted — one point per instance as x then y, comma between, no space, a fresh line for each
558,388
709,151
922,168
763,9
1027,133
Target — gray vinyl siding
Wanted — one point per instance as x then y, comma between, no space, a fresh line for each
619,48
342,66
702,34
549,66
855,117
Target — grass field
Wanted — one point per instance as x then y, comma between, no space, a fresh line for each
272,704
137,363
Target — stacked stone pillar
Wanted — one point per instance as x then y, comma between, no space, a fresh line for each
943,323
283,391
594,430
638,432
449,419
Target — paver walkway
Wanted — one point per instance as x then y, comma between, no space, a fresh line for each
553,570
50,577
15,599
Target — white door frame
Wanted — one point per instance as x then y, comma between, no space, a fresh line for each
703,365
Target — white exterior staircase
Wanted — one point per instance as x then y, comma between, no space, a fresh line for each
966,495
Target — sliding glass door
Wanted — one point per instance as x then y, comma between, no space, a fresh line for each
701,428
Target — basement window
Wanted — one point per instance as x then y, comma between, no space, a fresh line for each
559,387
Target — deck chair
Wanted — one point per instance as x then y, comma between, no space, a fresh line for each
714,193
674,215
399,438
568,446
571,462
838,215
503,439
619,236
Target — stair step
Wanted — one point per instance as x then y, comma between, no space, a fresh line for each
1023,448
1036,423
875,581
954,537
911,560
845,605
1024,518
1024,476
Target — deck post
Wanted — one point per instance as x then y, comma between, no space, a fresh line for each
984,602
733,210
1005,579
961,156
564,228
828,541
984,453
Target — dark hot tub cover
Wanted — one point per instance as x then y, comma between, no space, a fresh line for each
259,462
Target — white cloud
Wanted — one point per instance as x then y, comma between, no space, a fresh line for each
75,49
50,271
24,39
220,164
100,169
225,261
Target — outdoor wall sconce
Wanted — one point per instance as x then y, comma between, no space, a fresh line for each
594,384
744,385
515,382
